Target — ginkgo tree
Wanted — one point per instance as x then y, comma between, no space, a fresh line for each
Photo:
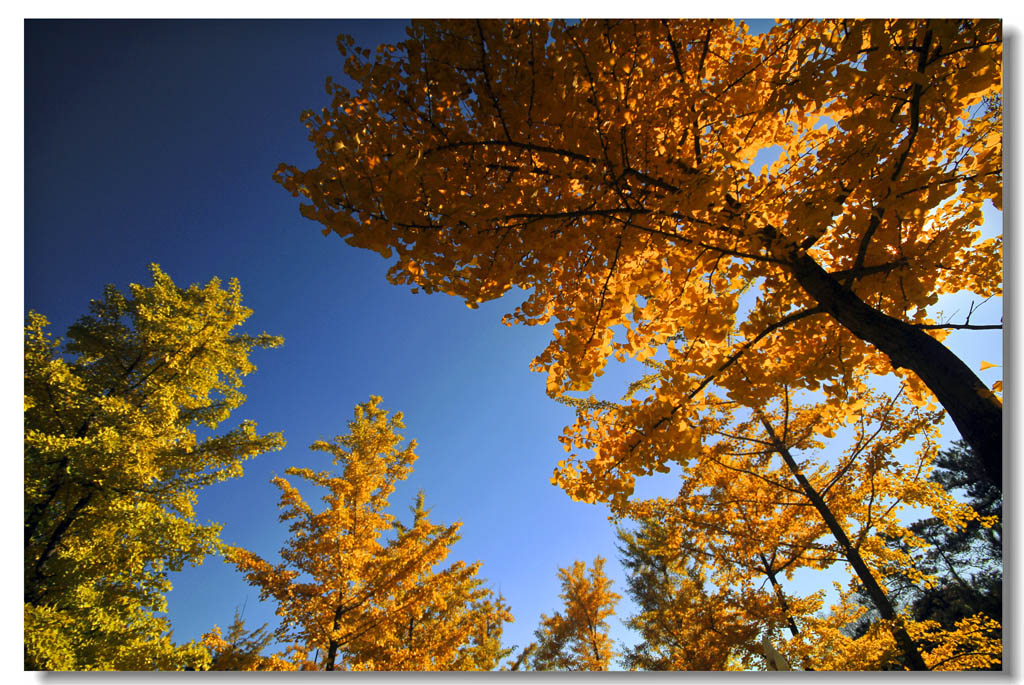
765,497
113,462
359,590
576,638
608,169
242,650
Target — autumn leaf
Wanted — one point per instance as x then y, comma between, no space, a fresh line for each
601,165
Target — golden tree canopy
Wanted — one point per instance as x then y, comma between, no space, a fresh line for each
608,169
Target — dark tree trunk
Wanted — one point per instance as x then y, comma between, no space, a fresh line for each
332,654
793,629
878,597
975,410
332,644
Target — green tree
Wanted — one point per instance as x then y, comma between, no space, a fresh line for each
113,463
968,561
684,622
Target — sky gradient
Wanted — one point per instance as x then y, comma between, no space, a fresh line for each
155,141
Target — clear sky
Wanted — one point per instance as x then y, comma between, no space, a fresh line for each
155,142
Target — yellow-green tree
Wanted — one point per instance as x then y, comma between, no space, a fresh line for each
608,168
576,638
113,463
359,590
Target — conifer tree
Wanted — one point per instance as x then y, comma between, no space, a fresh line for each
684,622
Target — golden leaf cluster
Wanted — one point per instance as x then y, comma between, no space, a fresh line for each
608,169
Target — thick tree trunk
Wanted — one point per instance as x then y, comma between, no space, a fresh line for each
975,410
332,643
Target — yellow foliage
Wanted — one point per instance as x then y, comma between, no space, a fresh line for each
241,650
359,590
606,168
113,462
577,640
760,501
973,644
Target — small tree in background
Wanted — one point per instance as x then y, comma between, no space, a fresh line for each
358,590
576,639
684,622
241,649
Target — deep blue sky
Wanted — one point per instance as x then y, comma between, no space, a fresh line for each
155,141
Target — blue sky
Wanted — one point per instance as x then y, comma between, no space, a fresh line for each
155,142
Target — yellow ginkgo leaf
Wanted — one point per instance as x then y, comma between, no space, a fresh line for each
988,365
